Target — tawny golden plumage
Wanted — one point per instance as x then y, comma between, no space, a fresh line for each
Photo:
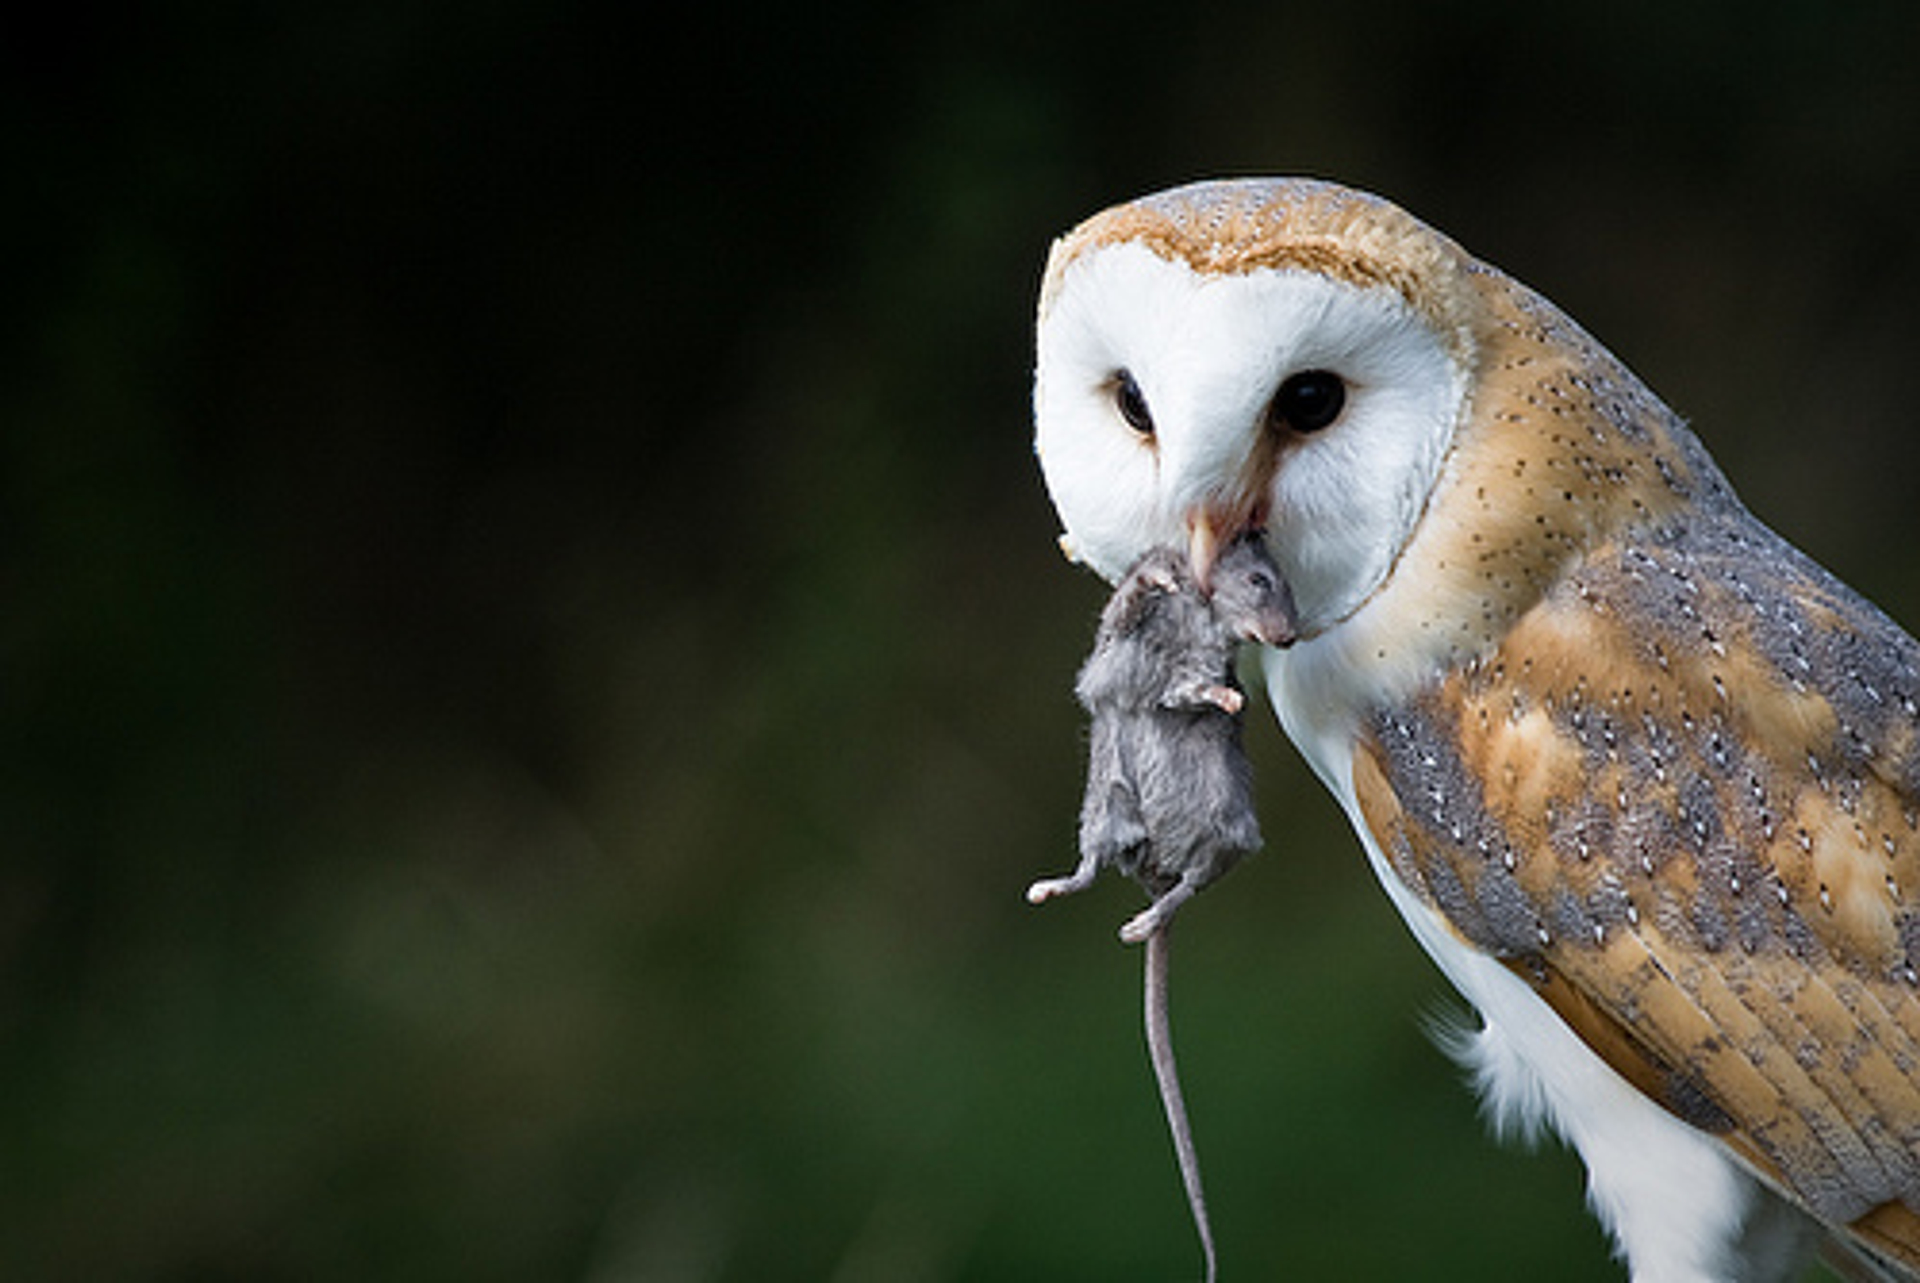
1596,724
1697,850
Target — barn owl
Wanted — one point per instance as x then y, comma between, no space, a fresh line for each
1642,779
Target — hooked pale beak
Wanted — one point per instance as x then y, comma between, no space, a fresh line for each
1203,548
1208,531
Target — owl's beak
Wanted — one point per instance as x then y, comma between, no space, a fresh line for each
1203,548
1232,510
1211,529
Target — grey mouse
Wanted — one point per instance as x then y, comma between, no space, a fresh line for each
1169,797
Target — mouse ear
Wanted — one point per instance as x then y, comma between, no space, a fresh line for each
1163,568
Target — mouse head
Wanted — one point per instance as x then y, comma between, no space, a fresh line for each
1249,596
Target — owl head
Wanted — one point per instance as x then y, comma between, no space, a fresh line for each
1284,355
1311,361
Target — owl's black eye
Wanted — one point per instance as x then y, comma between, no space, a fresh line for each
1131,403
1310,400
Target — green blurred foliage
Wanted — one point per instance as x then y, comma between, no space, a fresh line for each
536,667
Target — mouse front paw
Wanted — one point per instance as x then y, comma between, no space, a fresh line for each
1225,698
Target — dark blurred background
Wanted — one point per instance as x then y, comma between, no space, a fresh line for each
535,663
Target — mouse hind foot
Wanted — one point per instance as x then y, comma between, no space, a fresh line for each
1159,913
1079,880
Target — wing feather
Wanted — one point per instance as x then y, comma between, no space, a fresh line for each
1683,799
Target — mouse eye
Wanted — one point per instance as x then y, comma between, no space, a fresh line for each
1132,403
1308,401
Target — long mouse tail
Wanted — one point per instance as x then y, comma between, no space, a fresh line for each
1167,1074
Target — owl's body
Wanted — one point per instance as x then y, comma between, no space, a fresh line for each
1641,778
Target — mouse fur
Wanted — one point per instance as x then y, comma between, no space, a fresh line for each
1169,796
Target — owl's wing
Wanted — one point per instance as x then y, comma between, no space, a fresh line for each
1683,801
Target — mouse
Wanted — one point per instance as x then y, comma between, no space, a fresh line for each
1169,796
